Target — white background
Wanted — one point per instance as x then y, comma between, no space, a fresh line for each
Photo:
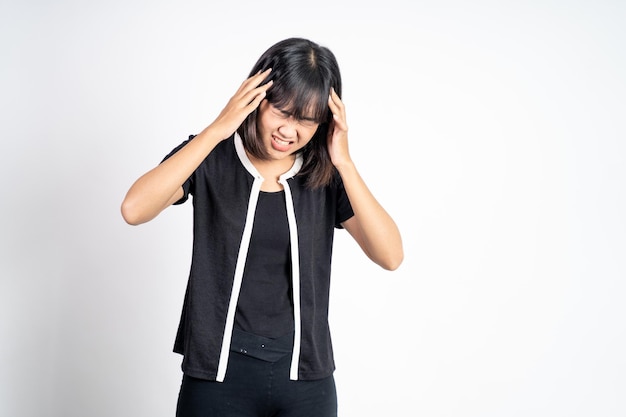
494,133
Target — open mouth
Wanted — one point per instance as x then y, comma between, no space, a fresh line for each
280,144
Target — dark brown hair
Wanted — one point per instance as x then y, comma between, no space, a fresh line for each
303,73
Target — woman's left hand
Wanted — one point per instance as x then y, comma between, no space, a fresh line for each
338,131
371,226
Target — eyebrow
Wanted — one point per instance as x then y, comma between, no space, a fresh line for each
289,114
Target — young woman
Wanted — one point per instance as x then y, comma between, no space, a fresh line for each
271,179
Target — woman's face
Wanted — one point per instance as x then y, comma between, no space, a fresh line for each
282,134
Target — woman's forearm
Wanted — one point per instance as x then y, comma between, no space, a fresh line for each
162,185
372,227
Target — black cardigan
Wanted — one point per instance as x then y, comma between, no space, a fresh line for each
225,189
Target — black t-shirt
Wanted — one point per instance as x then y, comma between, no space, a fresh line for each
265,305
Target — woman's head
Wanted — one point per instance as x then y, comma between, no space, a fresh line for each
303,73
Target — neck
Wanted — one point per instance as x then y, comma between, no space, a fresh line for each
275,167
271,170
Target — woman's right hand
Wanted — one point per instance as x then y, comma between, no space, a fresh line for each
162,185
246,99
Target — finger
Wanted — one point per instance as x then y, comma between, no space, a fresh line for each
340,123
335,103
338,110
252,95
251,83
334,97
331,104
255,80
256,99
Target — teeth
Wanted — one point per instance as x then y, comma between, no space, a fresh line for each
281,142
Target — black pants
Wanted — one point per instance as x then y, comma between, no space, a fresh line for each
257,388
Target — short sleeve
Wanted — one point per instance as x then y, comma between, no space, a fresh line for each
344,208
188,184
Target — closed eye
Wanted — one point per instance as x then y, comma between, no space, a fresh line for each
305,121
281,113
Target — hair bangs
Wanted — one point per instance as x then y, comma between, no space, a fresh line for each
303,96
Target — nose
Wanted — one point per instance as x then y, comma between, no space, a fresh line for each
288,128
